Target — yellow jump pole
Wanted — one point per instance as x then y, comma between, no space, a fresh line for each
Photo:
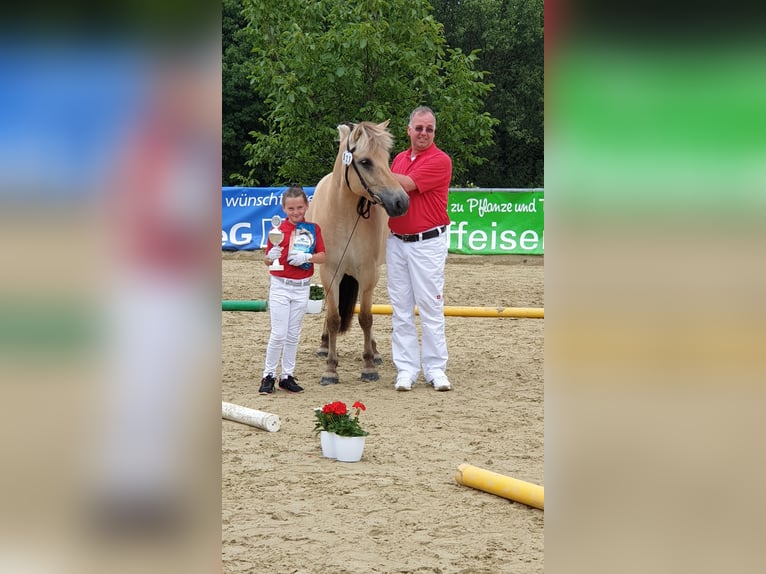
522,312
500,485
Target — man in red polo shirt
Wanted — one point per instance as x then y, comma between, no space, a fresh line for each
416,251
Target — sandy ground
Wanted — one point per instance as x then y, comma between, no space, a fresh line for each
286,509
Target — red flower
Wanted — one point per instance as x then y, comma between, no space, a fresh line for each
335,417
336,408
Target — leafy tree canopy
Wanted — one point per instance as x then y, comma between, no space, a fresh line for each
318,64
241,110
509,35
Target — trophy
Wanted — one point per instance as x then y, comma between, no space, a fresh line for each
276,237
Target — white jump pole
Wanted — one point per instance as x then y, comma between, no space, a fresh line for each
252,417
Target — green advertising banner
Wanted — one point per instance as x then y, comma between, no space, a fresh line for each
497,221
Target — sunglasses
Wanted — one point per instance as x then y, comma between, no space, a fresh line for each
420,129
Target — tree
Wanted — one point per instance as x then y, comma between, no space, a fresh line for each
318,64
509,37
241,111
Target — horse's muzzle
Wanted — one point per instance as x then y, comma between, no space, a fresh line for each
395,202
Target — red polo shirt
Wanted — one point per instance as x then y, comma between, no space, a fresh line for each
291,271
431,171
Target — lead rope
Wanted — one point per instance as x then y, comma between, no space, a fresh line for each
363,208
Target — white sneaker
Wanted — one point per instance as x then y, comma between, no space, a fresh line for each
403,382
441,383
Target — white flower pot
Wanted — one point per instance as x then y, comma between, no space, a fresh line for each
314,306
349,448
327,441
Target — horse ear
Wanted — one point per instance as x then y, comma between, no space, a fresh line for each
384,125
344,130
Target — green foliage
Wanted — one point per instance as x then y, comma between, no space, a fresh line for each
317,64
509,37
348,426
293,70
316,292
241,111
323,420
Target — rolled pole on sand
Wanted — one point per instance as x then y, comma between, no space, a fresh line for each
252,417
501,485
457,311
257,305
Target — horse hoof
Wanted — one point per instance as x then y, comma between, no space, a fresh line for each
322,353
329,381
370,375
378,360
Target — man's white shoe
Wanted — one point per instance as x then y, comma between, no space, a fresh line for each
403,382
441,383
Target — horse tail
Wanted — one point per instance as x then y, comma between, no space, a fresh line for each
349,290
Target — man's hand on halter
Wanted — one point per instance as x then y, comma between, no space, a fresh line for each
274,253
298,258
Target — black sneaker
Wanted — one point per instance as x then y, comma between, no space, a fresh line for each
288,384
267,385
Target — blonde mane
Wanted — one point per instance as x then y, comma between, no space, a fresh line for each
373,138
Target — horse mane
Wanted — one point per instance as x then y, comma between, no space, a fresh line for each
372,137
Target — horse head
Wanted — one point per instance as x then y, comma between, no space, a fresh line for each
364,156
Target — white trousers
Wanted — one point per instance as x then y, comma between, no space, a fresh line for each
415,276
287,307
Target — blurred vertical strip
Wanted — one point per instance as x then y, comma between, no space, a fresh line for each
110,120
655,202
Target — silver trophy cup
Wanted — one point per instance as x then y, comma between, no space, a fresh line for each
276,237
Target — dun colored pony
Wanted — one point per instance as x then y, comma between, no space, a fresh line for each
352,206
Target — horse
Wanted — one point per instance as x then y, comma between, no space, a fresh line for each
352,205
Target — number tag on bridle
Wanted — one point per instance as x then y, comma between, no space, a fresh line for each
347,158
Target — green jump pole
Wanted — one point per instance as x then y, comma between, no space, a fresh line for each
257,305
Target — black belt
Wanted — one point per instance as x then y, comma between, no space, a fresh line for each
430,234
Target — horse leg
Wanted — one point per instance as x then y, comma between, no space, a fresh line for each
324,344
376,358
369,371
330,303
332,326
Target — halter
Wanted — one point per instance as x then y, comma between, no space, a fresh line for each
364,205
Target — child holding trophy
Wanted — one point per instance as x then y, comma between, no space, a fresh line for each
294,246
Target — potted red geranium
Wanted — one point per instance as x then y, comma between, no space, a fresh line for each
340,433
